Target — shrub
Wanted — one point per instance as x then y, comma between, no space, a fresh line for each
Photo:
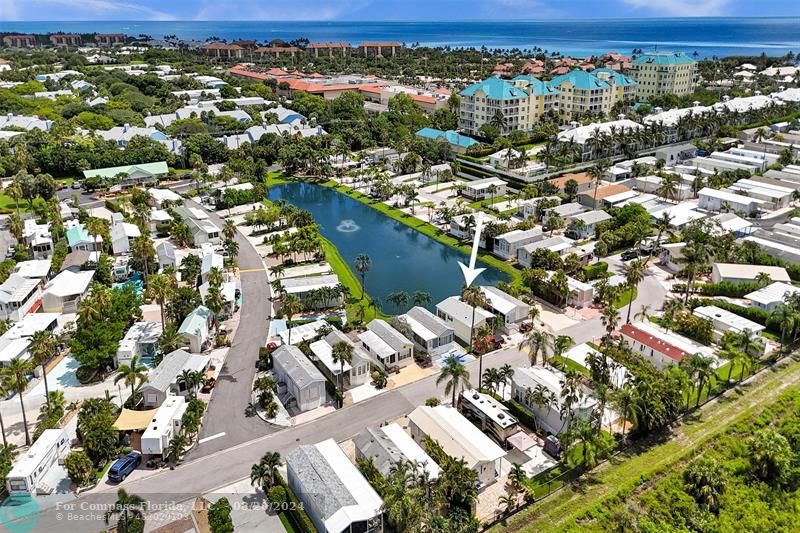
86,374
277,497
113,206
79,467
432,402
219,516
595,271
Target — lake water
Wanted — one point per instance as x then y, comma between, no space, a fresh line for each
706,36
403,259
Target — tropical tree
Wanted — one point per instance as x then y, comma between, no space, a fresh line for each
190,380
129,508
421,298
455,376
131,373
161,287
537,342
42,348
15,374
265,473
624,399
342,352
634,274
704,480
290,305
363,264
770,455
4,389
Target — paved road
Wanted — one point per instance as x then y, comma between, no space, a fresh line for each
232,463
226,412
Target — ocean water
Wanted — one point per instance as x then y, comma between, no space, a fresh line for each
706,36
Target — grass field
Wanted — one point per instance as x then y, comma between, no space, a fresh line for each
640,464
356,306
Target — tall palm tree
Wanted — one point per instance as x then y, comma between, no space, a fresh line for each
42,348
342,352
609,316
14,191
363,264
695,258
161,288
537,342
131,373
703,368
190,380
290,305
127,507
265,472
634,274
623,399
16,375
455,374
3,394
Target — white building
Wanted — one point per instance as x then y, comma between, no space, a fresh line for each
485,188
503,304
196,328
18,297
551,380
583,225
65,292
387,445
430,333
302,287
725,321
300,383
459,315
459,439
386,344
158,197
38,239
356,372
164,426
663,348
770,297
333,492
558,244
721,200
162,381
737,273
30,470
122,236
38,269
507,244
141,340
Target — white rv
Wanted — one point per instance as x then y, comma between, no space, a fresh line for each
30,469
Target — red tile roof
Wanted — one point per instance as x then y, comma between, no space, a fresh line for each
656,344
328,45
382,44
222,46
276,72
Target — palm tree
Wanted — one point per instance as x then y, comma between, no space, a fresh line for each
634,274
537,342
624,399
14,191
363,263
399,299
705,481
290,305
643,314
695,258
175,448
43,346
16,376
609,316
597,172
703,368
342,352
127,507
170,339
131,373
455,374
265,472
421,298
506,373
190,380
161,288
4,389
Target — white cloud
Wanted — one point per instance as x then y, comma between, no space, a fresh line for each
257,10
77,10
682,8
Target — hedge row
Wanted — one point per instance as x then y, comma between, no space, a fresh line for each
296,513
595,271
751,313
723,288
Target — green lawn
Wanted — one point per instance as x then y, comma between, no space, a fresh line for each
426,228
625,297
490,201
349,279
7,205
569,363
276,178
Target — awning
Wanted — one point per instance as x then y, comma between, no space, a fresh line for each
130,420
522,441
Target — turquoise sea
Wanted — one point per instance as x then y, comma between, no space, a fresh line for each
706,36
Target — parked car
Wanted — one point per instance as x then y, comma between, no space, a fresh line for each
124,466
627,255
76,185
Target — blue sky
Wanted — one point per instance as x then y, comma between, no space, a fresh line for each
384,9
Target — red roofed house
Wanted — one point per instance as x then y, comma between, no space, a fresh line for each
224,50
19,41
378,49
65,39
660,352
110,39
328,48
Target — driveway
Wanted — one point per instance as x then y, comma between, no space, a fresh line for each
227,410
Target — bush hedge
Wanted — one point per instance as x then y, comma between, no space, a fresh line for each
595,271
723,288
295,512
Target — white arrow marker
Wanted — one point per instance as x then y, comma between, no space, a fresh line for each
470,272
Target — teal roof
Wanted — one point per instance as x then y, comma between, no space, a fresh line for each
537,86
495,89
664,58
621,80
195,321
580,80
154,169
452,137
78,234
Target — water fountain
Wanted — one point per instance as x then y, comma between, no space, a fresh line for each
348,226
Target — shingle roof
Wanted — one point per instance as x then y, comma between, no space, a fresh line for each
299,368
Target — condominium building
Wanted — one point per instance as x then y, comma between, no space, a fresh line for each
660,73
582,93
494,100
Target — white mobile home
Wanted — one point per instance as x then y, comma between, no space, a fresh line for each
507,244
31,469
511,309
164,426
429,332
388,345
458,315
300,383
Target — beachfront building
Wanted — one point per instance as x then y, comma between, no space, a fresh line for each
585,94
300,383
659,73
458,316
387,445
429,332
386,344
549,417
333,491
459,439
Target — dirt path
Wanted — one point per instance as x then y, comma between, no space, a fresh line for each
562,509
